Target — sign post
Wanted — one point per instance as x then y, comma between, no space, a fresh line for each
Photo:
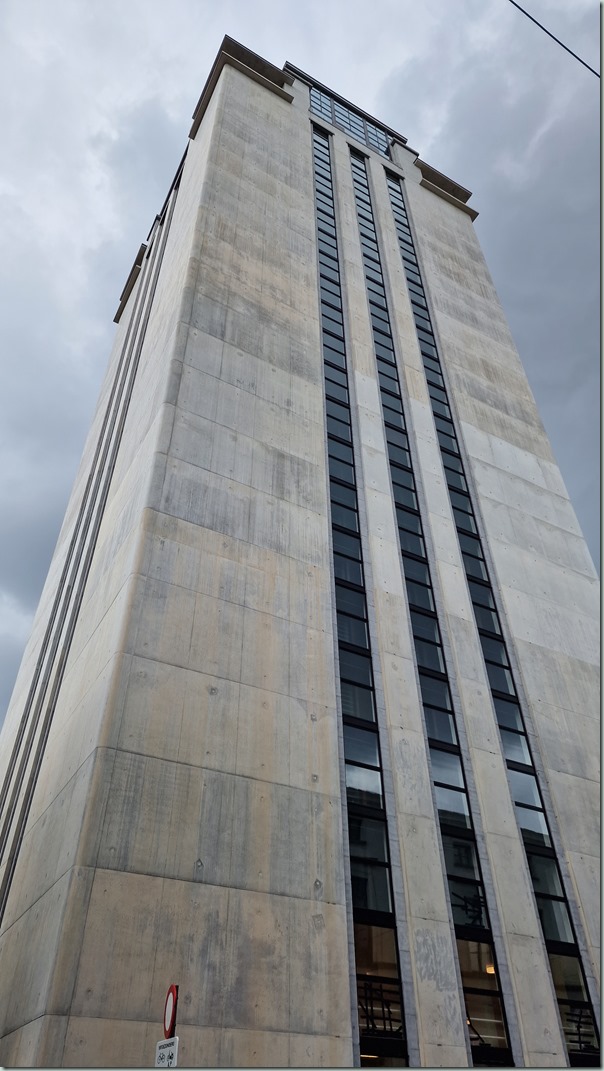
166,1052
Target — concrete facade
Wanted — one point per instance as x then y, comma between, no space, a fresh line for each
172,759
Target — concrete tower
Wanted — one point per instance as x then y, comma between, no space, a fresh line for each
308,720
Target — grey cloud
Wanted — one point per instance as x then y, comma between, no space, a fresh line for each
528,147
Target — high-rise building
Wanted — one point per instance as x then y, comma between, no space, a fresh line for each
308,720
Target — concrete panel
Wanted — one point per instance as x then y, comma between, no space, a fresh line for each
177,821
37,1043
50,844
577,802
33,986
586,875
232,951
542,1036
412,783
440,1012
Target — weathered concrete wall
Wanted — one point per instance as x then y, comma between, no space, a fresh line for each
548,589
194,748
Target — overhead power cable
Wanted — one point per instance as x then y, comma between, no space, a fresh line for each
558,42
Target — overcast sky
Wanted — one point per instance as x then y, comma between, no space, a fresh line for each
95,104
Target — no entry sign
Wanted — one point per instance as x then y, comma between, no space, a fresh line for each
170,1011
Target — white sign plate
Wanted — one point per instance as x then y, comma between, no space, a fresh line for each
166,1053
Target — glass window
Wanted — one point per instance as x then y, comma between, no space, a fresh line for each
401,477
331,321
545,875
429,656
340,412
352,630
500,679
336,392
419,596
533,826
439,726
494,650
437,394
375,950
470,545
579,1030
361,746
403,497
367,838
356,668
515,747
554,920
411,543
378,316
332,356
340,470
460,857
347,518
396,438
568,977
392,403
416,571
464,520
524,788
335,375
425,336
401,456
345,569
447,441
340,450
477,964
452,807
421,321
508,714
455,479
409,521
440,407
424,626
467,903
330,342
357,702
434,692
446,767
461,502
389,372
347,544
328,271
364,786
392,417
430,364
370,887
350,602
487,619
485,1020
434,377
345,496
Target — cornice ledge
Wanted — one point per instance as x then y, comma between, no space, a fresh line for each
250,64
445,187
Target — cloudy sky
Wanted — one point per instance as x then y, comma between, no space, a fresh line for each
95,104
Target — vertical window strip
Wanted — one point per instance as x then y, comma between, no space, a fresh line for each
379,993
336,113
575,1008
484,1008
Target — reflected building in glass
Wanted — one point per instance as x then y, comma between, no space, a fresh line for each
308,721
